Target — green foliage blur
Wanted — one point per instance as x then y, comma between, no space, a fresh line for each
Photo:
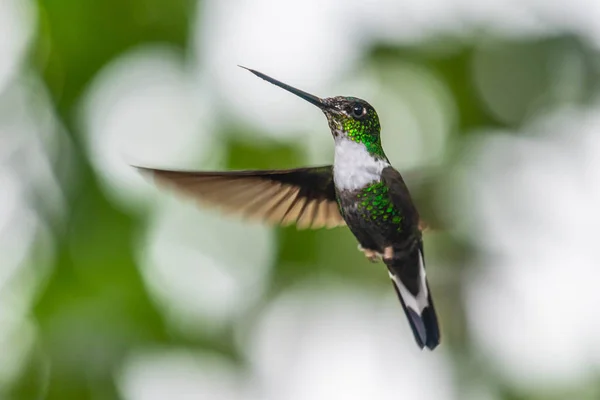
93,308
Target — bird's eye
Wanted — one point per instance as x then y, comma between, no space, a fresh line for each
358,110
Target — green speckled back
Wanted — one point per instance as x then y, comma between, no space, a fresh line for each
373,204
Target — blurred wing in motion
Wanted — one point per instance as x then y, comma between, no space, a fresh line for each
424,186
303,196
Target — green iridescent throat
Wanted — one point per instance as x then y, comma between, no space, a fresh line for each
375,204
365,131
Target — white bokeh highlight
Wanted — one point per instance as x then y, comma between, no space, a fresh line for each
306,48
533,303
17,25
28,132
311,343
170,373
324,342
417,115
142,110
206,270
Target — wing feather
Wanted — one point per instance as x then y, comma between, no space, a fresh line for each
303,196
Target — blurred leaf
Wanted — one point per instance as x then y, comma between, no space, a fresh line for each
78,37
454,67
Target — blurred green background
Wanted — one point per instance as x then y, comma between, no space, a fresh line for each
110,288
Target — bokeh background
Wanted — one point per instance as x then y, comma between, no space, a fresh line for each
112,289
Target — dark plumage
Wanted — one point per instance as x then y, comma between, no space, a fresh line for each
397,230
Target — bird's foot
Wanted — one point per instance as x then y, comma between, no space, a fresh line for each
371,255
388,253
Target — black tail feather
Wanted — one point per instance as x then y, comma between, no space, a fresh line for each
410,283
425,327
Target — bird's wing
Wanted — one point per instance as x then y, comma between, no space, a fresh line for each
400,195
424,190
303,196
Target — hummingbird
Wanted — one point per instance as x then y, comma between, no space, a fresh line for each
361,191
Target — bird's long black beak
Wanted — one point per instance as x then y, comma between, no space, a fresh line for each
306,96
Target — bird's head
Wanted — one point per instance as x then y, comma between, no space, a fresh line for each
349,117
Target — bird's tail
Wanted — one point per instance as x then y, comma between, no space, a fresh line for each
410,282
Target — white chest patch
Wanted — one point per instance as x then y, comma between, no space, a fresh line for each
354,167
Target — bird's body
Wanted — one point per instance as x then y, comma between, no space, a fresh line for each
361,190
363,197
372,218
378,210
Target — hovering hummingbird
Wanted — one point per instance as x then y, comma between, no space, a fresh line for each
360,190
